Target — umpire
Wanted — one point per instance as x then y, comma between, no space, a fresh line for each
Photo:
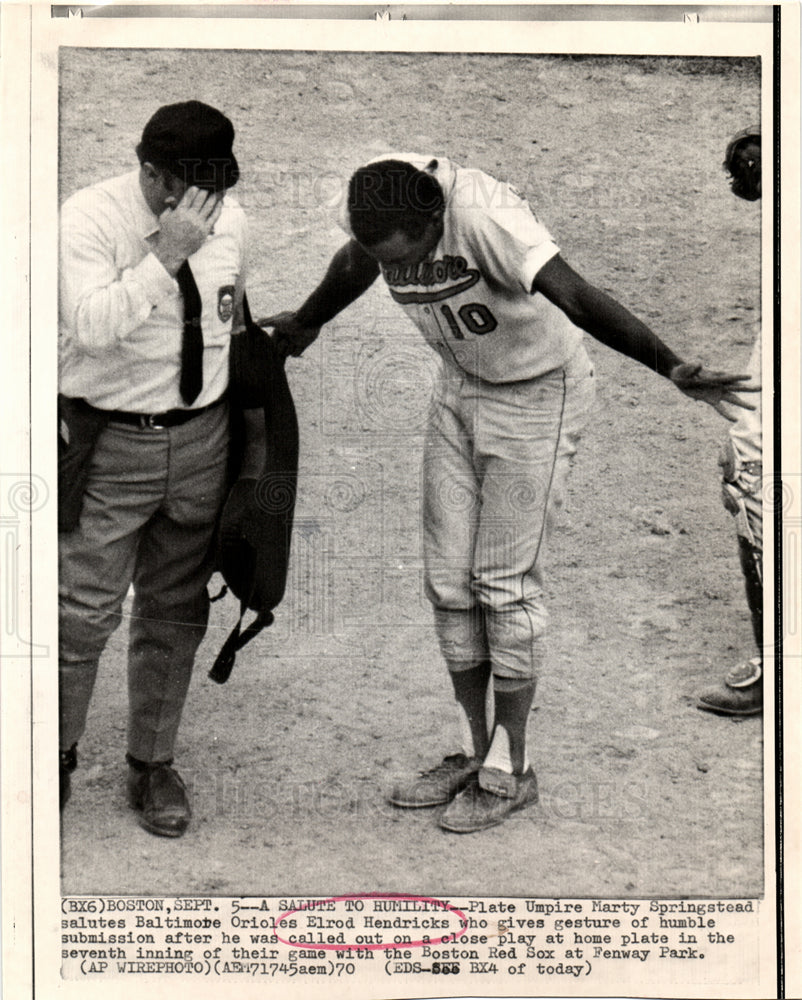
151,285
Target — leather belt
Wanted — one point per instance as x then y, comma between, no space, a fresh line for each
155,421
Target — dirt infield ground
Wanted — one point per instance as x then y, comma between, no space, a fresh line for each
642,794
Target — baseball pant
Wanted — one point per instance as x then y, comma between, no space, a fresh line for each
496,459
743,499
742,493
148,518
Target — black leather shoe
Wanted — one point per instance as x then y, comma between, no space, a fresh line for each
741,692
67,762
160,797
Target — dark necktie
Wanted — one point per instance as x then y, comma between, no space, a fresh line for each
191,380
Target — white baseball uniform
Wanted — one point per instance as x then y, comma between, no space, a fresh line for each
515,389
742,461
742,492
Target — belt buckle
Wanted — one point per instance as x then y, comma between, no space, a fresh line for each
150,420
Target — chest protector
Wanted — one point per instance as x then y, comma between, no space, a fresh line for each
255,530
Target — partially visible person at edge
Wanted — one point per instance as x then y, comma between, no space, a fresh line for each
481,277
151,285
740,692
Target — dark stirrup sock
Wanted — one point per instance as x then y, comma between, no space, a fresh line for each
513,702
470,690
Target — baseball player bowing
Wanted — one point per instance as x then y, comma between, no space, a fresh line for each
482,279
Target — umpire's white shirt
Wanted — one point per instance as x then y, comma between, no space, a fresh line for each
121,313
471,298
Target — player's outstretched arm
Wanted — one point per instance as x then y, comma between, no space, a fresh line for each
609,322
350,274
720,389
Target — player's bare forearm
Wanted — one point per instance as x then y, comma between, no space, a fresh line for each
598,314
349,275
609,322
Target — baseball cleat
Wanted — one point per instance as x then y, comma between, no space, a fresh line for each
489,800
436,786
740,693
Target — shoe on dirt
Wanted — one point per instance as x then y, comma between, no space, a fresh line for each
436,786
489,800
740,693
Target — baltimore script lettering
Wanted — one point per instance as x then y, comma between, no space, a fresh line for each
428,273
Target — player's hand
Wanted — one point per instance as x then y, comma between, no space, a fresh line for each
183,228
292,338
719,389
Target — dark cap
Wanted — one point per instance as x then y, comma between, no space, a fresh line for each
742,163
193,141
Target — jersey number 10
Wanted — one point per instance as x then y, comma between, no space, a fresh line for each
476,317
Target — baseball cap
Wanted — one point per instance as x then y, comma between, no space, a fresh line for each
194,142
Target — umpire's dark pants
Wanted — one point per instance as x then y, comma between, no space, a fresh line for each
148,519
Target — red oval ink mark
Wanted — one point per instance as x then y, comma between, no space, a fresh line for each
453,936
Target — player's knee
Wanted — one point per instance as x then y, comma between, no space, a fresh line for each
511,674
449,591
507,595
